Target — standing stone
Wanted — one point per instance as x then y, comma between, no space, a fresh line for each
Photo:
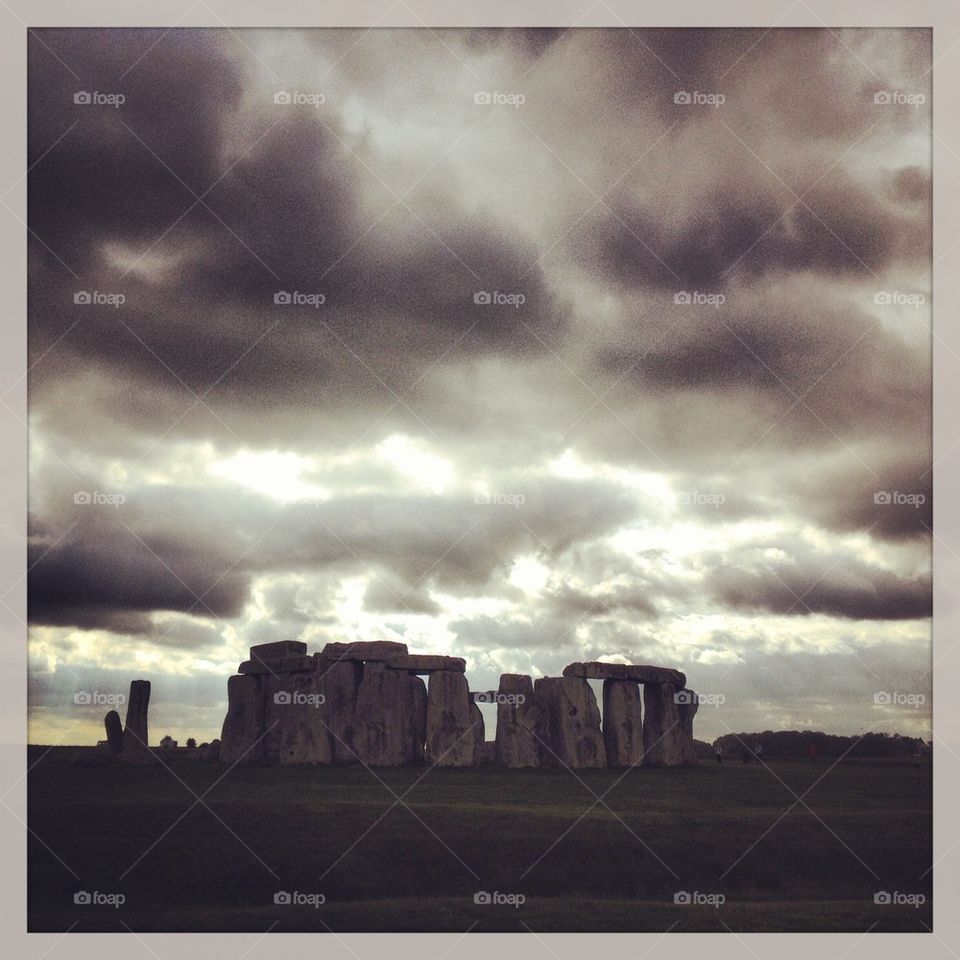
389,705
454,722
569,723
294,727
622,726
114,731
240,738
365,650
135,743
517,722
341,684
687,708
662,734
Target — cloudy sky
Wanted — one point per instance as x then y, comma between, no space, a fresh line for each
523,346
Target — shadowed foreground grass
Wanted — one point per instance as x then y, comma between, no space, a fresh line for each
380,864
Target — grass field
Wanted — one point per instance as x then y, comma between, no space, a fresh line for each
580,865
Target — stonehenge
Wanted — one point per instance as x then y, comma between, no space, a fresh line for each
133,744
366,702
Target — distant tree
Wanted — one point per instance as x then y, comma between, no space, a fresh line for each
191,743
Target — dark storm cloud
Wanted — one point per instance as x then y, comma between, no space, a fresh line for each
195,550
807,583
281,210
103,574
840,229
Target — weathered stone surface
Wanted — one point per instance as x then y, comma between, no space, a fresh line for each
454,723
135,734
486,753
517,722
597,670
365,650
114,731
295,729
687,708
622,723
277,650
390,715
569,723
427,663
243,725
294,664
341,684
662,733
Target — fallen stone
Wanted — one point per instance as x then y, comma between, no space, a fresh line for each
364,650
293,664
622,723
662,732
569,723
517,723
135,741
597,670
391,708
277,650
427,663
114,731
454,723
240,738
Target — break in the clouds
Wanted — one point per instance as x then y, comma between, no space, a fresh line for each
531,346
